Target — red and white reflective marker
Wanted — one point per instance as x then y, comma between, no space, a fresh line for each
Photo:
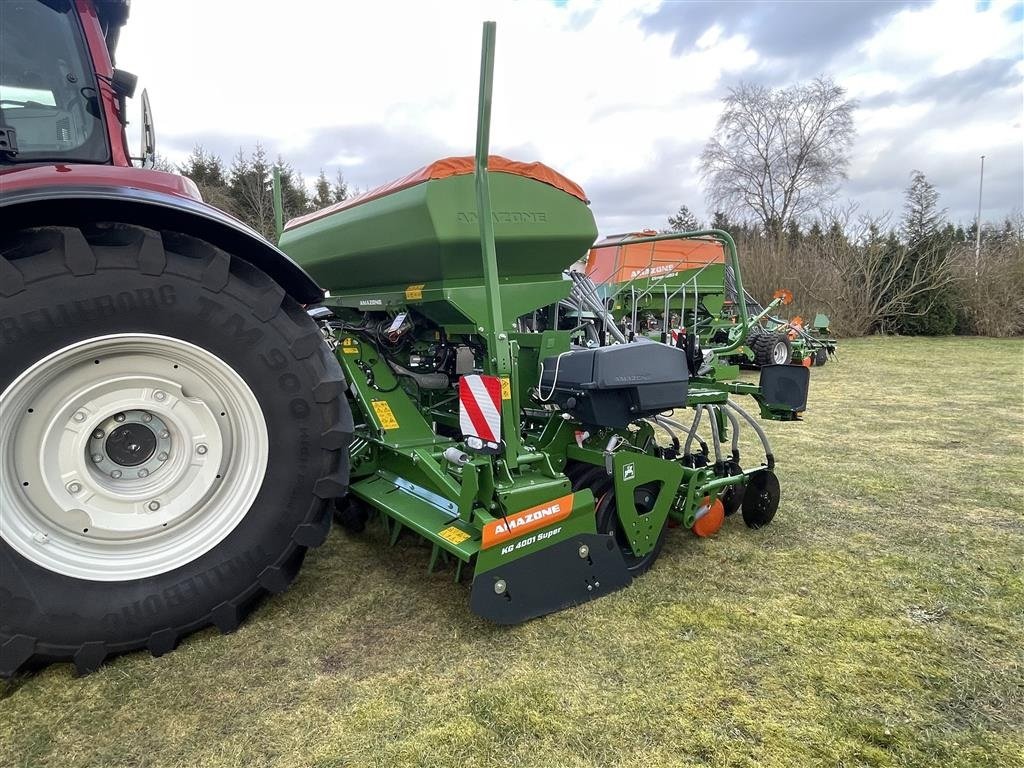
480,411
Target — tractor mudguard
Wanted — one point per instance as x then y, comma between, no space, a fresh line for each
82,205
581,568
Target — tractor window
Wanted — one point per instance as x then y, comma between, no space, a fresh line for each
48,94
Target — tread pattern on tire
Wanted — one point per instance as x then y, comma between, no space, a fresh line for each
764,343
20,652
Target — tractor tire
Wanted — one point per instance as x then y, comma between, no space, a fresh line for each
820,356
772,349
172,430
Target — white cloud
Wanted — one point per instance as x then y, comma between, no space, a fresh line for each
581,86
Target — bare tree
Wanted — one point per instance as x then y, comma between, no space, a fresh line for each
873,279
993,286
778,154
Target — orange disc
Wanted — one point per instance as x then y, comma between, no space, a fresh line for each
806,362
709,523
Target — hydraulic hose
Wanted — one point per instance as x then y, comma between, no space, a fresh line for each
769,457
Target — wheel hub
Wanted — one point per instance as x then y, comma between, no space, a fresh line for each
126,456
136,444
779,353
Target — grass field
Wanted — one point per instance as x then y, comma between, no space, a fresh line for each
879,621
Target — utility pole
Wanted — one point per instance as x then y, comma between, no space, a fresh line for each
977,222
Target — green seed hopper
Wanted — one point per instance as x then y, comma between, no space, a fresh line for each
420,236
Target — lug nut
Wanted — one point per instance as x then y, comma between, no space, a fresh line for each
147,417
159,396
80,416
201,450
40,538
161,457
153,506
143,473
116,474
584,551
119,417
164,434
97,458
98,434
500,586
74,487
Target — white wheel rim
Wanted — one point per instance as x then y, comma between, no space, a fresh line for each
779,353
114,507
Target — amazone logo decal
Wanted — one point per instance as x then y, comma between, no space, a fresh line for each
521,523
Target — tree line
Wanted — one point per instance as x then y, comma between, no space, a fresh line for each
245,187
772,172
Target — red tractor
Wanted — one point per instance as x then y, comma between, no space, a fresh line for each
172,426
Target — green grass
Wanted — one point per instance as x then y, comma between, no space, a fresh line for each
879,621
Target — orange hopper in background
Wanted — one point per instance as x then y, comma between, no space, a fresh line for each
622,263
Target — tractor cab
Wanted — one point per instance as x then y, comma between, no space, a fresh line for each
61,99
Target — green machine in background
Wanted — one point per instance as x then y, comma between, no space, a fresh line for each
549,469
665,286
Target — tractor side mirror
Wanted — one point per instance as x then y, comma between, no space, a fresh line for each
148,133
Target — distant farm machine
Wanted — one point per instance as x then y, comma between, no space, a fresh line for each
672,285
177,396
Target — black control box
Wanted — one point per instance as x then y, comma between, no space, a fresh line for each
612,386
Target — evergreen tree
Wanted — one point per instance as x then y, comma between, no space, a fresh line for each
683,221
207,171
793,234
720,220
339,191
294,195
250,187
929,241
322,194
921,215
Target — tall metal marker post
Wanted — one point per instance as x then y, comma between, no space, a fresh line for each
498,347
977,224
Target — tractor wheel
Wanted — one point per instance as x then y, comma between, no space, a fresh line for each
761,499
772,349
820,356
172,428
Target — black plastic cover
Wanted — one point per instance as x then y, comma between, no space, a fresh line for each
612,386
551,579
785,386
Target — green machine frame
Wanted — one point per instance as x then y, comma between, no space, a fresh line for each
520,517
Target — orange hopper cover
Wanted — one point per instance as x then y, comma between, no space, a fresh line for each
452,166
622,263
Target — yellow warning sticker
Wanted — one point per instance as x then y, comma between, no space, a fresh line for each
384,415
350,346
506,388
454,535
414,292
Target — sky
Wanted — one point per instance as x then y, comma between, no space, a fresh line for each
619,96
